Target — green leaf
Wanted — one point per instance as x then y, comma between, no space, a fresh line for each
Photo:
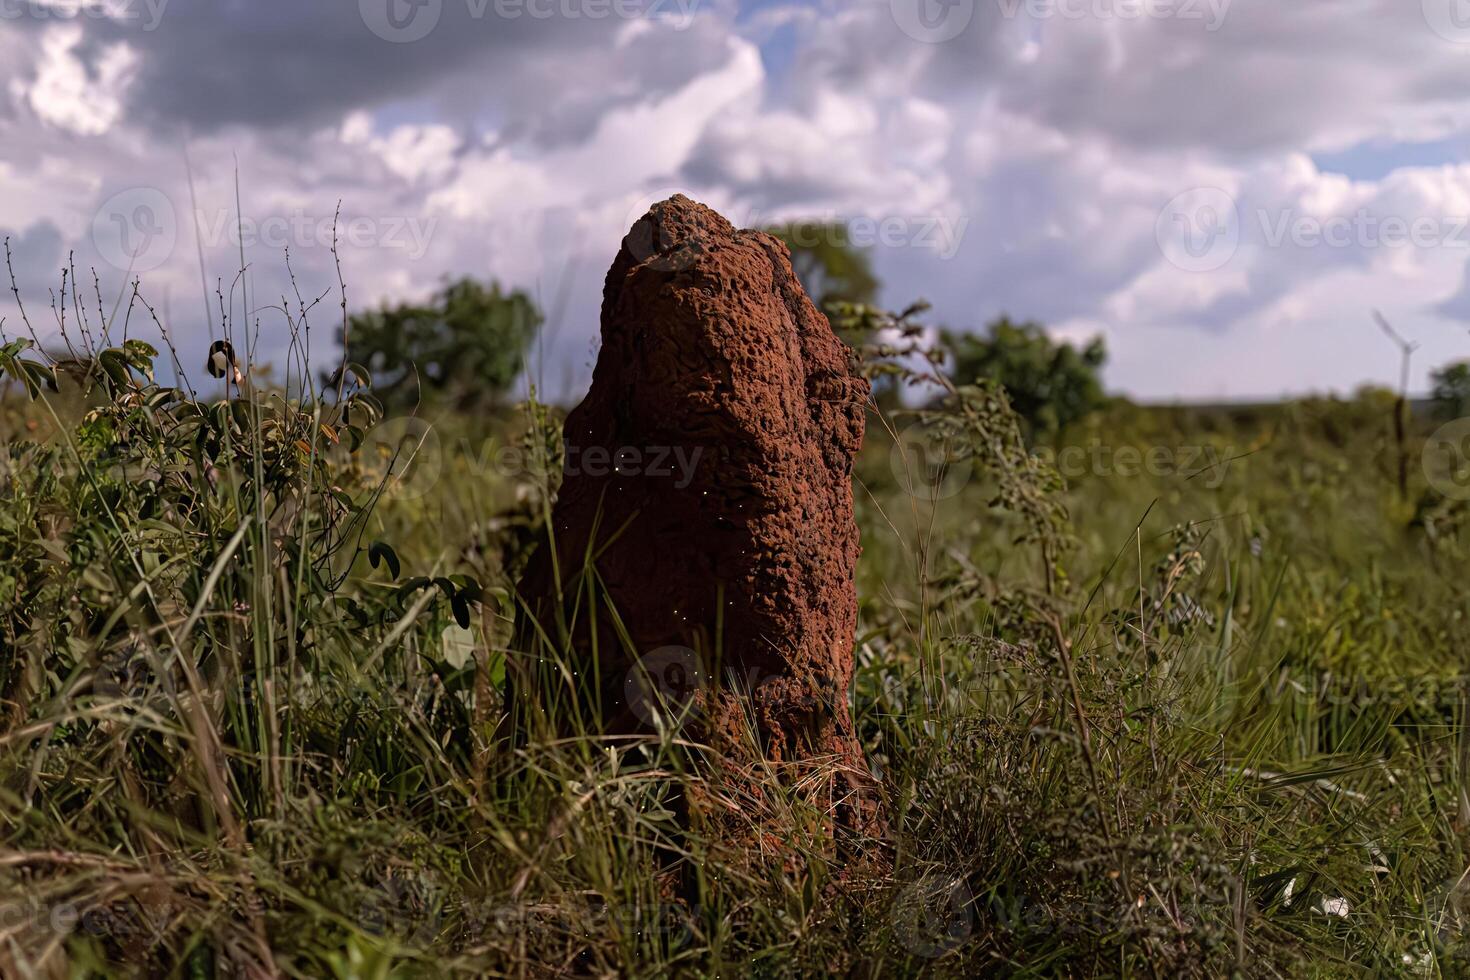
412,586
41,374
115,367
469,588
240,410
139,356
461,610
162,397
140,349
380,551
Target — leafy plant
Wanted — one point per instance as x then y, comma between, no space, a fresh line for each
467,344
1135,725
1051,384
1450,390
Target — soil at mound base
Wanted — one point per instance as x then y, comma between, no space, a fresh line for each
709,474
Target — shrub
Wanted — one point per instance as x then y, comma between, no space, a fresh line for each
467,344
1050,384
242,740
1450,390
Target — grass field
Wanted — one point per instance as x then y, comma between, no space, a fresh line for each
1179,693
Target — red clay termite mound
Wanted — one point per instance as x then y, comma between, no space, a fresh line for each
708,484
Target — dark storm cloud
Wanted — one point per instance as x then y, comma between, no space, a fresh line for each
36,257
1051,143
288,63
1231,76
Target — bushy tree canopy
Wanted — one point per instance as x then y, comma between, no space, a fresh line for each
468,343
1451,390
1051,384
831,268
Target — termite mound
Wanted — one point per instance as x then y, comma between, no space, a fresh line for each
704,543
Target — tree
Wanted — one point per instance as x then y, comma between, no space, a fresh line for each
830,267
1451,390
468,343
1050,384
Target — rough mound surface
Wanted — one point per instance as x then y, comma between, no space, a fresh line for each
708,479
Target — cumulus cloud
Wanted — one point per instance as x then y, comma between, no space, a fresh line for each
1156,179
71,93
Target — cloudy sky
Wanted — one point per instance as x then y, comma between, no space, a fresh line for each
1225,189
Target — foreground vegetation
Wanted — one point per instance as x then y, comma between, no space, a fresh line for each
1170,692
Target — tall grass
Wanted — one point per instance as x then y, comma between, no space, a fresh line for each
254,647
